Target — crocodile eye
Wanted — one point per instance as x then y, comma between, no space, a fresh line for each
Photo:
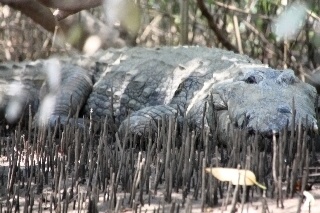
251,80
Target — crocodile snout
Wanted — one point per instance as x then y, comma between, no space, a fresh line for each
273,121
266,101
284,109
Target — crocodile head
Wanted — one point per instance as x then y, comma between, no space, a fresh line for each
261,100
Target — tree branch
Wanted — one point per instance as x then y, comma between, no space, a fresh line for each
36,11
71,5
39,11
91,26
222,38
14,1
64,8
62,14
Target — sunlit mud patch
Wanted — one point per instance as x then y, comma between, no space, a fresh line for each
16,104
290,21
46,109
51,86
92,45
123,13
53,68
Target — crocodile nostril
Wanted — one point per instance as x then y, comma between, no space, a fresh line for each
251,80
284,109
286,77
251,131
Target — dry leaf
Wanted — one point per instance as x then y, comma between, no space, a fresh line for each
235,176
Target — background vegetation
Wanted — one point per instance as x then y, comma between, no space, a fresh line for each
241,26
29,31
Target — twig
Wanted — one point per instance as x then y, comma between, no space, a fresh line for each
235,196
222,38
237,32
261,36
233,8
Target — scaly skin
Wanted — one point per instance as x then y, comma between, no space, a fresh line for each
152,83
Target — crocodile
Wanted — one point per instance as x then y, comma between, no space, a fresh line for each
136,87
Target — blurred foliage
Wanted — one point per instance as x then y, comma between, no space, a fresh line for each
252,20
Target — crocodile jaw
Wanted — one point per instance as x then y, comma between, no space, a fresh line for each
266,105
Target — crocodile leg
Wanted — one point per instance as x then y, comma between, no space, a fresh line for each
63,99
146,119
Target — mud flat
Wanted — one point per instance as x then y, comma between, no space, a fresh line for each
67,169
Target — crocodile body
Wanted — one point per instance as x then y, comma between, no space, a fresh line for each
153,83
